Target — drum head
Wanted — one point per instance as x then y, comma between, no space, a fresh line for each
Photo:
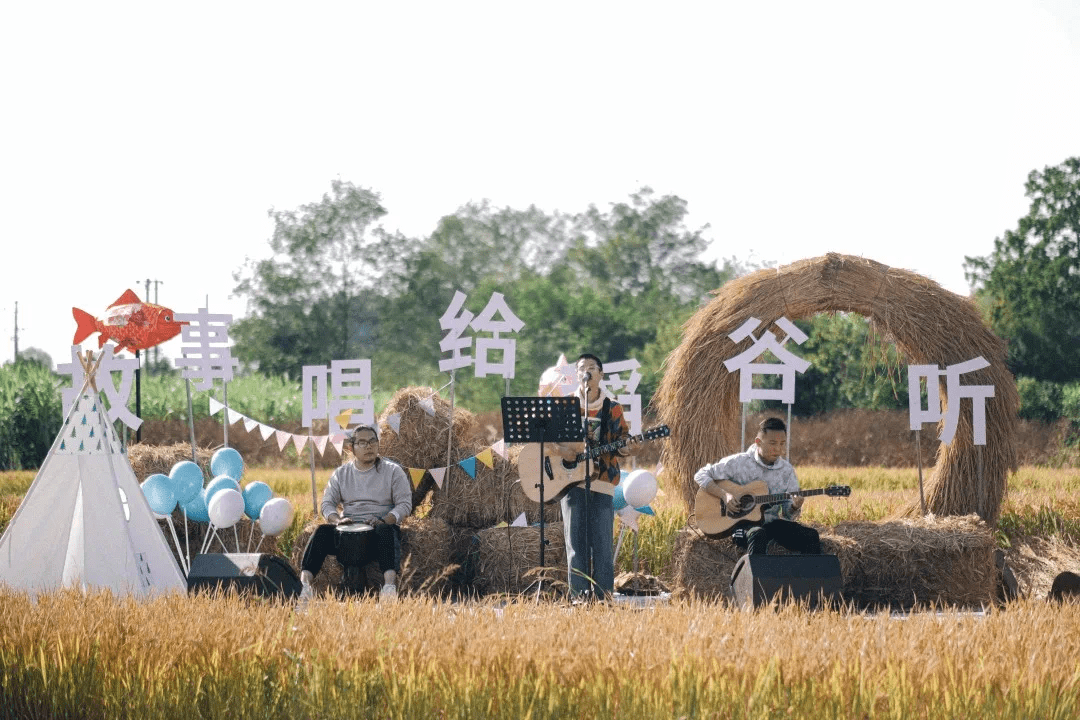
354,528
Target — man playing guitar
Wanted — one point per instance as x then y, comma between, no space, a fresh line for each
588,517
763,461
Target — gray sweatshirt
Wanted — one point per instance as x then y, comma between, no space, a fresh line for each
369,494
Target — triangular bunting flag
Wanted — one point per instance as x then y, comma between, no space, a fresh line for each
469,466
429,406
234,417
338,443
250,424
266,431
215,406
299,441
343,418
282,439
417,474
394,421
500,448
485,457
520,521
320,443
437,474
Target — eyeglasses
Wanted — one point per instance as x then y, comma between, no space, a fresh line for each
366,443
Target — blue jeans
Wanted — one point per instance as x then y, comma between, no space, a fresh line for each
601,516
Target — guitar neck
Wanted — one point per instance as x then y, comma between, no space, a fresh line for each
765,499
597,451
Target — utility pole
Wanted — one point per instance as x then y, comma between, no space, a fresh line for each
16,331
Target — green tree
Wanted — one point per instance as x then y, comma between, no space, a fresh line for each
316,298
1029,286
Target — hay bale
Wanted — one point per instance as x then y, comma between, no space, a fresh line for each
703,566
914,562
899,564
493,496
426,567
509,558
146,460
699,399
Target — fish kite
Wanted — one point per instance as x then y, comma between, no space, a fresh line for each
133,324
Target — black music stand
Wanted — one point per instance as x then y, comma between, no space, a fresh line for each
541,420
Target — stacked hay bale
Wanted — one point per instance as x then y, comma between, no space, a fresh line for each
147,460
466,506
699,399
898,564
510,559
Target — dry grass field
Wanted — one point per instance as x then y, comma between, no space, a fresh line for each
95,656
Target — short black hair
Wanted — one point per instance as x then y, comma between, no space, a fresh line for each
356,431
590,356
772,424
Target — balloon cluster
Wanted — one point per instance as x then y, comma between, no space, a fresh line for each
221,502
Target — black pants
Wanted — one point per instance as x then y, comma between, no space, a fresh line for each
325,541
791,535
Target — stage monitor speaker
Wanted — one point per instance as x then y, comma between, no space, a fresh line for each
259,573
815,579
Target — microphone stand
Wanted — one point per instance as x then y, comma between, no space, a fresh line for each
588,493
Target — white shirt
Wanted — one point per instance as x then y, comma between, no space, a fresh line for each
747,467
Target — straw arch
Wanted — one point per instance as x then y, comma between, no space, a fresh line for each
699,399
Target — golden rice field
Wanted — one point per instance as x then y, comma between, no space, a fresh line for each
75,656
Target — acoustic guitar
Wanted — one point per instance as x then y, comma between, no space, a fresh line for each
558,475
713,517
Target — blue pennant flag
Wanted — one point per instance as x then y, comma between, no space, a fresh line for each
469,466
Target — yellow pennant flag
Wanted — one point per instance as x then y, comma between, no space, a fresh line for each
485,457
417,474
343,418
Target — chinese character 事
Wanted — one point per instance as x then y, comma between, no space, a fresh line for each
787,367
978,394
210,357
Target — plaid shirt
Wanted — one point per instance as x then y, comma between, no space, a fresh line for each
606,466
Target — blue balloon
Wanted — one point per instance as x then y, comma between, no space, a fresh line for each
187,480
646,510
227,461
158,490
221,482
256,494
618,502
196,508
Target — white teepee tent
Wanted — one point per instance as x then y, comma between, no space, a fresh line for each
84,522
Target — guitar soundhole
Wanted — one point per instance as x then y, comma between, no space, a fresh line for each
547,468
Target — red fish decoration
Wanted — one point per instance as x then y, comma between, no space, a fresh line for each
133,324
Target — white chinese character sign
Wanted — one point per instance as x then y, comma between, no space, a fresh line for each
932,413
210,357
117,397
349,389
745,362
496,318
624,389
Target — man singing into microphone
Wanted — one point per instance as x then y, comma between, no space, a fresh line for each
604,424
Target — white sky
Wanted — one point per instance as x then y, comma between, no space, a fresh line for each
138,142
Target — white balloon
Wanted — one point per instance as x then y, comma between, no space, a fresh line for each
276,516
639,488
226,508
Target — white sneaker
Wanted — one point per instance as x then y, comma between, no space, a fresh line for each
388,593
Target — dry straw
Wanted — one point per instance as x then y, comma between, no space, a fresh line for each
699,399
492,496
899,564
510,558
147,460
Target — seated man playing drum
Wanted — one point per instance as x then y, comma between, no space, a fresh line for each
370,490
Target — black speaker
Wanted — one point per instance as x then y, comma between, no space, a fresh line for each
259,573
816,579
